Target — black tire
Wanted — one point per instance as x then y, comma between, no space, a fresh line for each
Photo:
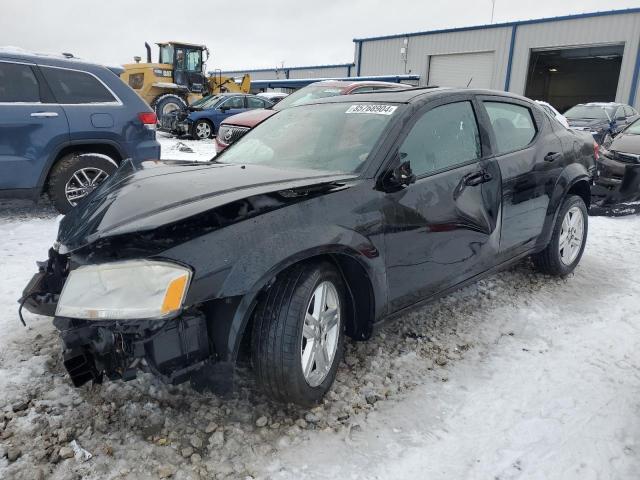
167,102
63,171
549,260
277,334
198,126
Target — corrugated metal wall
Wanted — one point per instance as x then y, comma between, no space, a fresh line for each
383,55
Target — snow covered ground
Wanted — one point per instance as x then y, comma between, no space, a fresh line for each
186,149
519,376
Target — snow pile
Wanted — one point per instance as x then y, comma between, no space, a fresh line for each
185,148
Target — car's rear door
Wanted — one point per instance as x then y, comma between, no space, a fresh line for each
530,157
93,109
31,127
442,229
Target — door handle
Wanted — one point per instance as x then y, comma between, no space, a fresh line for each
552,156
477,178
44,114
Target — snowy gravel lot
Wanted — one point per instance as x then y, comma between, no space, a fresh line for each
518,376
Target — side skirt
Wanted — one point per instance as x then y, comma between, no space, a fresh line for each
395,315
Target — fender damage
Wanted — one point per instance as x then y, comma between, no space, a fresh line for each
174,225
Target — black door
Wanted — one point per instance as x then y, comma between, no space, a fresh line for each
442,229
188,69
530,157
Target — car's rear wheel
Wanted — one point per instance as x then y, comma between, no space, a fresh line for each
202,130
75,176
298,334
564,251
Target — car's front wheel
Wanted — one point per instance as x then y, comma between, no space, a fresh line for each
564,251
75,176
202,130
298,334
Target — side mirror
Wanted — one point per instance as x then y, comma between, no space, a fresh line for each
398,178
224,108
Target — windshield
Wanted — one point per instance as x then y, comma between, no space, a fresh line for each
334,137
189,59
593,112
633,129
306,95
207,102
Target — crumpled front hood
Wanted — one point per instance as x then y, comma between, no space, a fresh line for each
626,143
160,193
251,118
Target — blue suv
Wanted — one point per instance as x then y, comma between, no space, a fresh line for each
65,126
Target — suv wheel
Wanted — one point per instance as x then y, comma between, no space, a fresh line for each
202,130
298,334
564,251
75,176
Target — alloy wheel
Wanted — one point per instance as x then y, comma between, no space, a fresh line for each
320,333
203,130
571,235
83,182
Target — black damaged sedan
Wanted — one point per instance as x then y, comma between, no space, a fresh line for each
323,221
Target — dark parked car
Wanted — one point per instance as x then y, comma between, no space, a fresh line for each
202,119
287,242
618,177
602,120
65,126
235,127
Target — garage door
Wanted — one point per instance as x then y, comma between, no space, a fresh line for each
456,70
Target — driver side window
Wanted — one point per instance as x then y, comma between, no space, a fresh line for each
235,102
442,138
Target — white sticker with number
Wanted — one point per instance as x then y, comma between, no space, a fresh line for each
368,108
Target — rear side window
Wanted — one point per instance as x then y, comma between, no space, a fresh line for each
234,102
254,102
73,87
628,111
443,137
18,83
513,125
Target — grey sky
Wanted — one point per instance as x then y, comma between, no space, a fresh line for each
251,34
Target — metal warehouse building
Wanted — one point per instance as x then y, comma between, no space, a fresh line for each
564,60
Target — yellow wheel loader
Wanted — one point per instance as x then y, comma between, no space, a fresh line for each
178,79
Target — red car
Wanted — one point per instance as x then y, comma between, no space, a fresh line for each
233,128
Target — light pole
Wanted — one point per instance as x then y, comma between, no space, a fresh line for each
493,9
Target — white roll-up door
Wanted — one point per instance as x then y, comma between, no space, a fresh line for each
456,70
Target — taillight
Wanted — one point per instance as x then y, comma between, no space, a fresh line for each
148,119
596,150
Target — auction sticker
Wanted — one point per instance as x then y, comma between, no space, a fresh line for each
369,108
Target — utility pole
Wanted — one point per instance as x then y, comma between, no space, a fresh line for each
493,9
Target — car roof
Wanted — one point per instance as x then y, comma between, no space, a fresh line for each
66,60
414,94
347,84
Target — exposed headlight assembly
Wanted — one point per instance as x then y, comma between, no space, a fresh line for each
133,289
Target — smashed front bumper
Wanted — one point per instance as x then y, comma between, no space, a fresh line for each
172,350
175,350
617,181
175,123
